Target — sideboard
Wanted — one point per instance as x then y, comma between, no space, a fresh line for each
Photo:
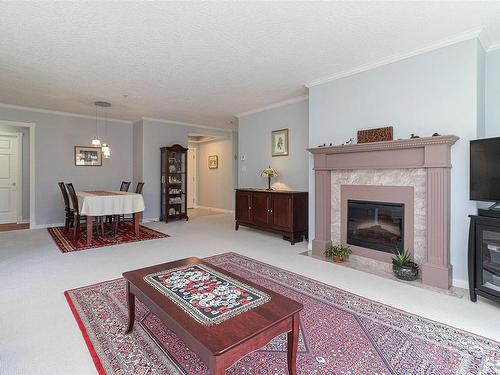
278,211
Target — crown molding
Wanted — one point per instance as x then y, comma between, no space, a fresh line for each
58,113
493,47
186,124
462,37
275,105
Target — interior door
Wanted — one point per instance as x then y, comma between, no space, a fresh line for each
260,209
281,211
191,177
8,179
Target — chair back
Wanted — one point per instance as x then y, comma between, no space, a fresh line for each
73,197
139,187
65,196
125,186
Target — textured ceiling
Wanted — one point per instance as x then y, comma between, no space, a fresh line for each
204,62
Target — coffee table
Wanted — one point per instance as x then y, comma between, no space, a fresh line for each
222,344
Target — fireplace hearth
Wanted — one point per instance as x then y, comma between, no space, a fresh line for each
375,225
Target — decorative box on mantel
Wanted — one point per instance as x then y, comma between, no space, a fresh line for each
428,158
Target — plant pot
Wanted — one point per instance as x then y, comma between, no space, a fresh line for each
337,259
408,273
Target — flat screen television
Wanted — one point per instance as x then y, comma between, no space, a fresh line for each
485,170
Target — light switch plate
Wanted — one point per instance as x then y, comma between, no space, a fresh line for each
243,157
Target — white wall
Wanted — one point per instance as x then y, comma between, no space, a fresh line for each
493,93
432,92
255,144
55,138
26,165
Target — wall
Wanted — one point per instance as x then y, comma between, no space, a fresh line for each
157,134
55,138
432,92
137,153
255,144
493,93
26,165
216,185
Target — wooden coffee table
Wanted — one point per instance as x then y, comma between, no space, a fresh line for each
219,345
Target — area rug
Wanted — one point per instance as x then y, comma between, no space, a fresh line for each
340,333
65,243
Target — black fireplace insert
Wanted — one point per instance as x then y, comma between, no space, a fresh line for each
375,225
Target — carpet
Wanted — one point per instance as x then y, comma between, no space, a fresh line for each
340,333
65,243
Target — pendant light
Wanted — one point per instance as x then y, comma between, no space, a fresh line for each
96,142
106,150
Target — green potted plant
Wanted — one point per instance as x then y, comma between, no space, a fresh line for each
337,252
403,267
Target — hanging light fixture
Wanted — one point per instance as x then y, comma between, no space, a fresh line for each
96,142
106,150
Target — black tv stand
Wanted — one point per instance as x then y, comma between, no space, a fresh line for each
492,211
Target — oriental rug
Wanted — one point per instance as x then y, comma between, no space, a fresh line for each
340,333
65,242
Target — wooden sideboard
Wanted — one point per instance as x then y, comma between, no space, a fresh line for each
277,211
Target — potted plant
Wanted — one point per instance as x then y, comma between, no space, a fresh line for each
337,252
403,267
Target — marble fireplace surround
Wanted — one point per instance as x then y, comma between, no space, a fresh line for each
432,154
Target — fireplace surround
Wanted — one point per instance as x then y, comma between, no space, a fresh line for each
431,155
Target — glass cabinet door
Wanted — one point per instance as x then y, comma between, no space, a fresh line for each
176,183
488,262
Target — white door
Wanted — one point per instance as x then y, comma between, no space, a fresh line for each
191,178
8,178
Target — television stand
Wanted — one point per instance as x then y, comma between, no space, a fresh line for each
492,211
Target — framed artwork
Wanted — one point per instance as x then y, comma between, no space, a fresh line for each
88,156
213,162
375,135
279,142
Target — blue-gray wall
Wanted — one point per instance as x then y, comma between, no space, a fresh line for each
493,93
255,144
432,92
55,138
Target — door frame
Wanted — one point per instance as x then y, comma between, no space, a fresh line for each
195,175
19,179
31,126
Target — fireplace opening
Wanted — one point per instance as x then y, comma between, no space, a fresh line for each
375,225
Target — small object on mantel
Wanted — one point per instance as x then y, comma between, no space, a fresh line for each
414,136
349,142
436,135
375,135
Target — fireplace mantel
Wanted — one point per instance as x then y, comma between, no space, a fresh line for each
432,154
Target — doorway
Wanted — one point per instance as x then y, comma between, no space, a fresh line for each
192,177
10,178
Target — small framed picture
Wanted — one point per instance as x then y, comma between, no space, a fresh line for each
279,142
88,156
213,162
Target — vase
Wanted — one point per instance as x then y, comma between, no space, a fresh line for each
337,259
408,273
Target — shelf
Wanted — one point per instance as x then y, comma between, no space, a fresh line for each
494,268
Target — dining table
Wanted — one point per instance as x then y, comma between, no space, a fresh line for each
99,203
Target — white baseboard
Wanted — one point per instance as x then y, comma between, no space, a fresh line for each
459,283
217,209
150,220
42,226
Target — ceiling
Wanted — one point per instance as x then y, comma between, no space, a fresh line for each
204,62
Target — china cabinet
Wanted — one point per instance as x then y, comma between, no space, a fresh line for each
173,183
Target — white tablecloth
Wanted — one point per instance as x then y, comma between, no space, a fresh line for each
118,203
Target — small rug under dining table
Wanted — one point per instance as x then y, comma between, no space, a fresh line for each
125,234
340,333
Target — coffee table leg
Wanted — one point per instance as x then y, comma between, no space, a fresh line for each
293,343
215,367
131,309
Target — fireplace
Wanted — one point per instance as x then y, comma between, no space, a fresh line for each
375,225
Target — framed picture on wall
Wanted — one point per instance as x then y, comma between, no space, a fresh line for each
279,142
213,162
88,156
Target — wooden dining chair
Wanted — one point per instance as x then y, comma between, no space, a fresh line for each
139,187
125,186
76,214
123,218
68,211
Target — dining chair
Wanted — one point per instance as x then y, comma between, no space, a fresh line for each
122,218
76,213
125,185
68,211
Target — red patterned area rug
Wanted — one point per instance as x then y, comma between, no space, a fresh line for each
341,333
65,243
